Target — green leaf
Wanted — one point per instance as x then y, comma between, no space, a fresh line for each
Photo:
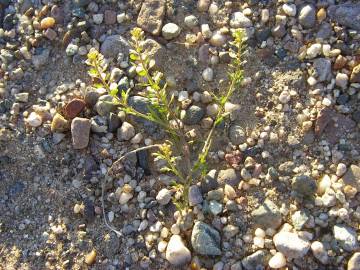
114,92
134,57
93,73
98,85
142,72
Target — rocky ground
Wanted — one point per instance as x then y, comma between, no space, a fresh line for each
283,190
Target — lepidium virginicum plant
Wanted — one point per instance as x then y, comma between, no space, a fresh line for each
164,110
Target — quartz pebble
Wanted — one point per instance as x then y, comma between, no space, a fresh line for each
277,261
34,120
176,252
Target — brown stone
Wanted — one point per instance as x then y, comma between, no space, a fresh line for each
59,124
203,5
151,16
355,75
74,107
110,17
333,125
340,62
80,132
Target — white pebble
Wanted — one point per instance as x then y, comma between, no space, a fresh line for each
277,261
208,74
34,120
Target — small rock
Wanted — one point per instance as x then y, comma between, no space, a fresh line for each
319,252
151,16
228,176
203,5
323,69
257,260
205,240
114,122
291,245
59,124
176,252
267,215
191,21
125,132
277,261
289,9
193,115
208,74
352,177
354,262
90,258
113,45
217,39
342,80
237,134
307,16
304,186
355,74
195,196
346,15
164,196
74,108
34,120
346,237
299,219
110,17
80,132
239,20
215,207
47,22
170,31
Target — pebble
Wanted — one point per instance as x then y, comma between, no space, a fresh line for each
74,108
217,39
313,51
291,245
90,258
267,215
195,196
125,132
47,22
319,252
304,186
176,252
59,124
203,5
34,120
346,237
277,261
98,18
354,262
307,16
239,20
191,21
208,74
342,80
170,31
164,196
80,132
289,9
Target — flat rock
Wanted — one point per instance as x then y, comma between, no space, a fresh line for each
205,240
80,132
291,245
267,215
151,16
256,260
113,45
323,69
74,108
352,177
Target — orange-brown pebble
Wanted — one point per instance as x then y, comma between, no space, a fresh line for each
90,258
44,11
321,14
47,22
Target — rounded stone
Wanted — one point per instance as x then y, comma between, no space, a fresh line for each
170,31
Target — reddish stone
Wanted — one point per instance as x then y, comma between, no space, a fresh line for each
110,17
340,62
74,108
234,159
333,126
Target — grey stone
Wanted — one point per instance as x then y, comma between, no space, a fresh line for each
209,182
257,260
237,134
304,186
346,14
205,240
228,176
346,237
193,115
81,3
114,122
215,207
191,21
91,97
105,105
113,45
41,59
170,31
352,177
230,231
291,245
267,215
323,69
125,132
195,196
307,16
239,20
299,219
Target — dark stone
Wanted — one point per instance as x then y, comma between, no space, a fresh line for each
90,166
304,186
281,53
114,122
342,99
257,260
4,160
324,31
193,115
143,161
78,12
356,116
209,182
89,210
346,15
262,34
9,22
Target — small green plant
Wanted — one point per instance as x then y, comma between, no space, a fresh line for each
164,110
